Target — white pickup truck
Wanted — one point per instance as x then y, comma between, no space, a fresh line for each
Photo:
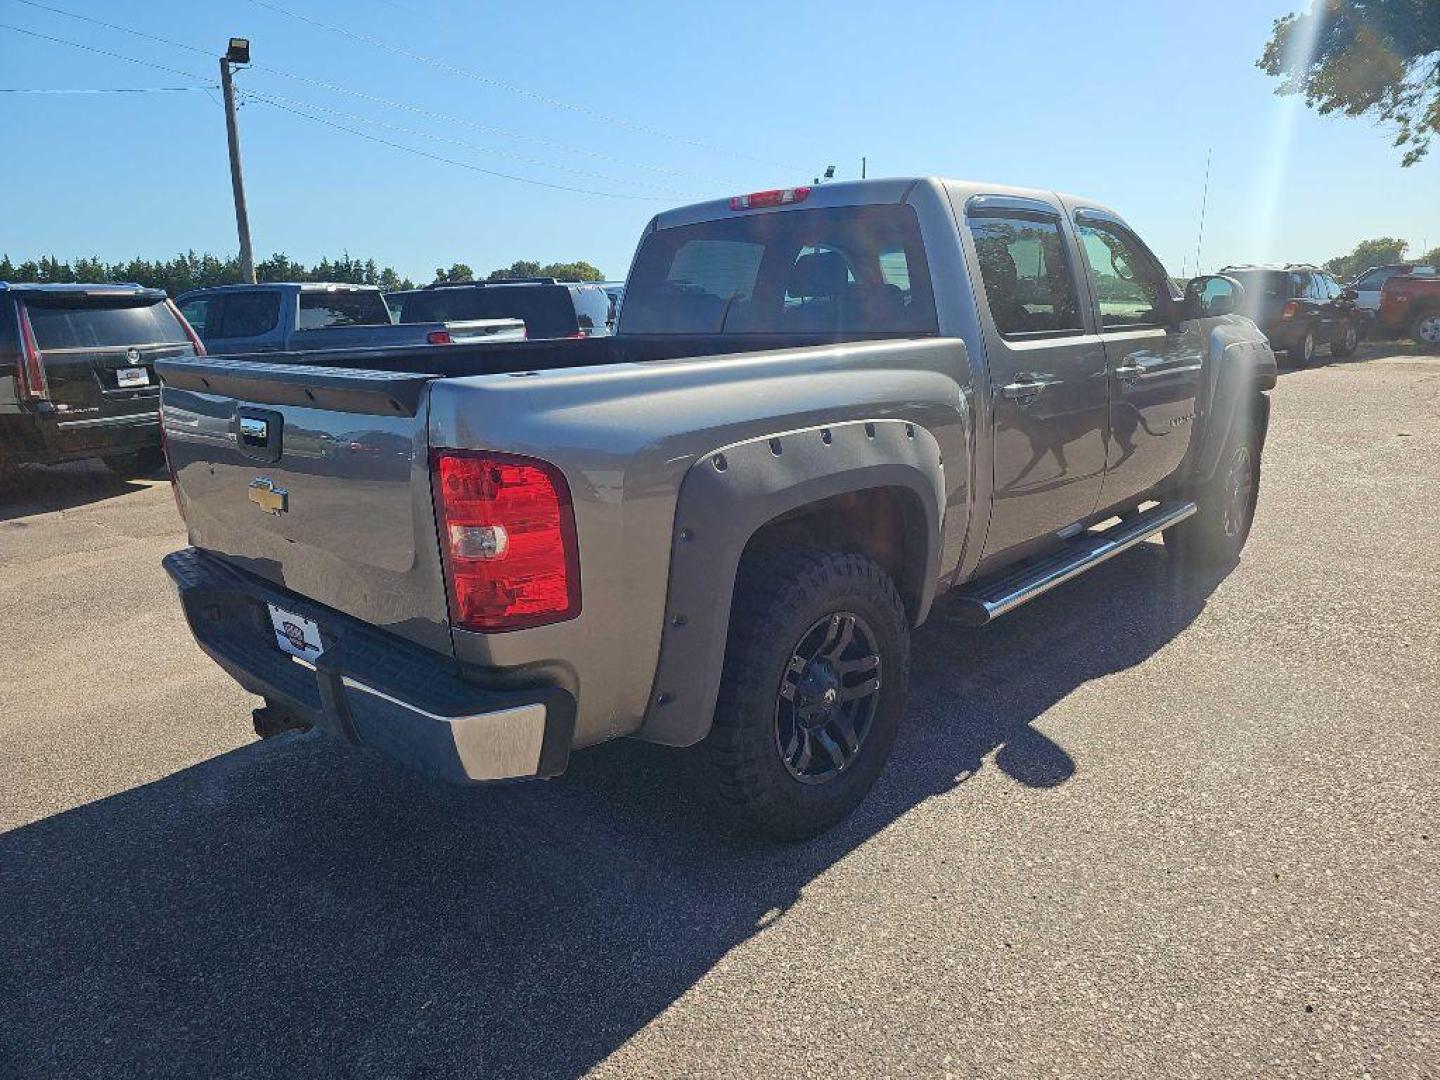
823,409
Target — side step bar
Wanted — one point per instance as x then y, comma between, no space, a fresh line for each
983,601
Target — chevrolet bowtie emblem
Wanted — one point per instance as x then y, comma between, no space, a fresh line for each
264,494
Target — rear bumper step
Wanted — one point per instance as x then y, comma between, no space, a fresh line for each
370,687
985,601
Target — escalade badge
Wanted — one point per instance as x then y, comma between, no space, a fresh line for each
265,495
133,356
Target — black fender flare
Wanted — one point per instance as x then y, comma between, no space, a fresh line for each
1246,370
732,492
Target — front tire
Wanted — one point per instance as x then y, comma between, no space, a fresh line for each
815,682
1215,534
1426,330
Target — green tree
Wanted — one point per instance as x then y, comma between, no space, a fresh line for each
1430,258
457,272
1376,58
562,271
1367,253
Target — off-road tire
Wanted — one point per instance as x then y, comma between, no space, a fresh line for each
1215,534
1346,340
136,464
1302,353
778,598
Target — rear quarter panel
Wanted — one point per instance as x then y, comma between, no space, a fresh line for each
626,435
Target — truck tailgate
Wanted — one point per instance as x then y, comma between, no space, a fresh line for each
316,479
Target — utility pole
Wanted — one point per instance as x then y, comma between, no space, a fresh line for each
862,168
237,53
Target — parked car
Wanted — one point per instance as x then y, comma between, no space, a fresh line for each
825,407
549,308
76,378
1410,306
300,316
1300,308
615,290
1368,285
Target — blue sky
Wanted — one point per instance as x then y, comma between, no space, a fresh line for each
669,103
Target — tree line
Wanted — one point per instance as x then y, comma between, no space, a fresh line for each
1380,251
194,270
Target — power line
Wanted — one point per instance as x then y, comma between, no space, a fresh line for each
252,95
363,95
104,52
534,95
108,90
460,164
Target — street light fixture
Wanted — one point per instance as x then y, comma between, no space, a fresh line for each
239,51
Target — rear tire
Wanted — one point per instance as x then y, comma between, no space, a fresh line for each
815,682
1346,340
136,464
1303,352
1215,534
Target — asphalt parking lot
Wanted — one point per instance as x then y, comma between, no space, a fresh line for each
1140,827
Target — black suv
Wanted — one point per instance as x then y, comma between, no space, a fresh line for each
549,308
1300,308
75,373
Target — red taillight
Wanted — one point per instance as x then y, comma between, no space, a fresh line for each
439,337
189,332
1291,310
33,384
507,536
758,200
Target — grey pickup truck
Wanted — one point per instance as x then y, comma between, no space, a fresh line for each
280,316
824,408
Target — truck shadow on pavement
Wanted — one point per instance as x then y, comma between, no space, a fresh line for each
36,489
297,908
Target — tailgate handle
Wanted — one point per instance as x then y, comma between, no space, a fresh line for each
258,433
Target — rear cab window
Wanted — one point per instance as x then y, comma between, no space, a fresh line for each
847,270
341,307
72,324
548,311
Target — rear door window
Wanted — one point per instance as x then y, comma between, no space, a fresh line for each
343,307
89,326
789,272
1029,285
248,314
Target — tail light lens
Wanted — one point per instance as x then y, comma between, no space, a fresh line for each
439,337
33,384
1291,310
189,330
507,537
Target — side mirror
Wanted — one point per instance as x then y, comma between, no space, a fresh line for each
1212,294
1350,293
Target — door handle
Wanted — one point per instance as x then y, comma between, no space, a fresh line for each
1129,371
1026,389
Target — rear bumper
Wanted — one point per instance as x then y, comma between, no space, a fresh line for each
370,687
50,438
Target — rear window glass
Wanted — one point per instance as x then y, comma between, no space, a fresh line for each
1263,282
844,270
321,309
88,326
547,310
592,308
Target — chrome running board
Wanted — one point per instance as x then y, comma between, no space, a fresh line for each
984,601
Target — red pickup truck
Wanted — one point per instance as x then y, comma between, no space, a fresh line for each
1410,305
